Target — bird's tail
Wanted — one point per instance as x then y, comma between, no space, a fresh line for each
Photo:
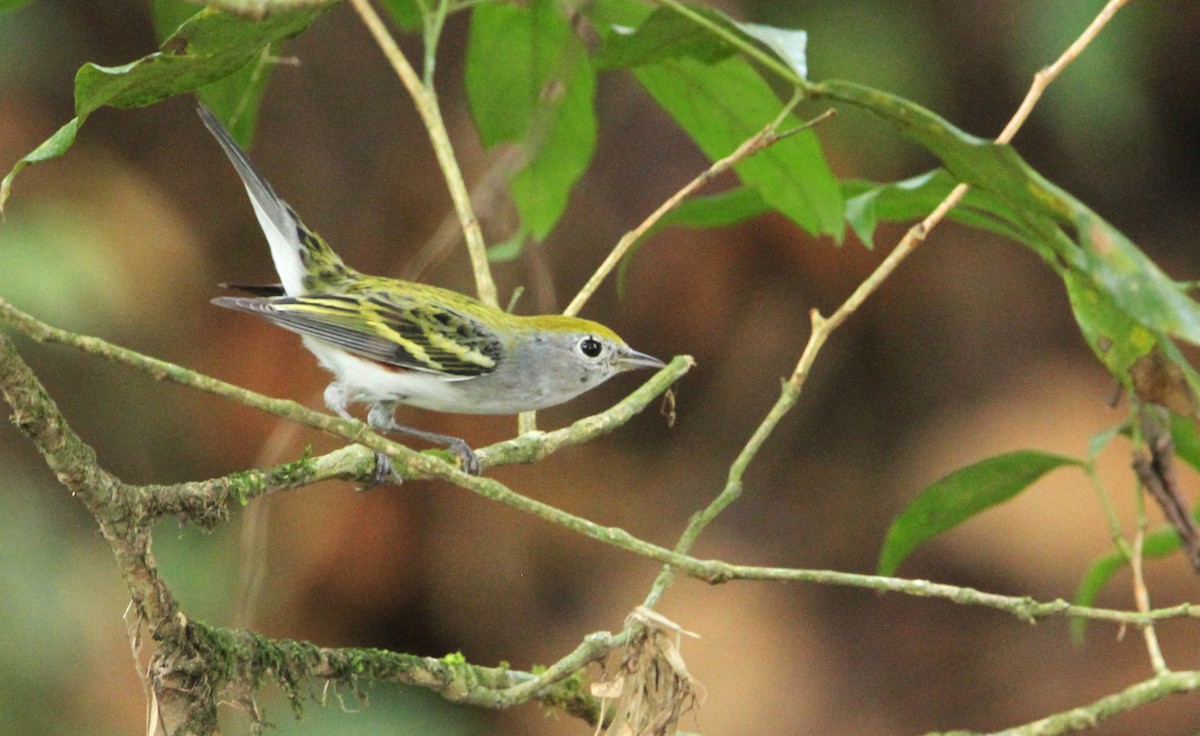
303,260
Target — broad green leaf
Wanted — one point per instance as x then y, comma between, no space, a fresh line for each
169,15
976,161
1097,577
1187,441
716,210
11,4
1080,239
1100,440
1134,281
668,33
236,98
960,496
868,204
529,81
663,36
722,105
406,14
55,145
207,47
263,8
1115,337
508,249
789,44
499,72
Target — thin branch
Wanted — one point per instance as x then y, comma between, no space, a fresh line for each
191,498
1141,596
244,656
1045,76
414,465
1088,716
822,327
426,103
759,141
434,21
195,664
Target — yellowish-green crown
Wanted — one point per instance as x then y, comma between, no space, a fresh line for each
563,323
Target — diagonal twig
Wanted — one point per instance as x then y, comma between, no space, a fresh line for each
426,103
823,327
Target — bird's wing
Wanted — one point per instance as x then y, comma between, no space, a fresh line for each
422,337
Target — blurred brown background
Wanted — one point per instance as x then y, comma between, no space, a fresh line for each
968,351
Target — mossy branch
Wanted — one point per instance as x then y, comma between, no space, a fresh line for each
239,657
206,501
410,463
1091,715
185,688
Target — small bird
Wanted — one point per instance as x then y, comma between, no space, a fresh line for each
388,341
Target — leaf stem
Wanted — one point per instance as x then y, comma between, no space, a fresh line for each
426,102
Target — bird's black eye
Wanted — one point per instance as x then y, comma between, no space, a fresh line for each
590,347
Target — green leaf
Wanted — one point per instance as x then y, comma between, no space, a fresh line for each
722,101
529,81
1067,233
209,46
789,44
668,33
55,145
1115,337
1100,440
662,36
960,496
716,210
1187,441
509,249
169,15
721,106
499,72
868,203
1134,281
234,99
11,4
405,13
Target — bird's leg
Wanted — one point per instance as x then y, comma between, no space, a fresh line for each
382,418
337,397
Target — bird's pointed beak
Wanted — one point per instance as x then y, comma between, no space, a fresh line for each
631,359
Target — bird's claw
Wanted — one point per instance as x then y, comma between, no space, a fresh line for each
385,472
466,457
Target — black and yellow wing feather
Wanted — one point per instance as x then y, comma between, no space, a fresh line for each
398,332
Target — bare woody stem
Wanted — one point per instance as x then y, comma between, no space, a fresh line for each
425,99
759,141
